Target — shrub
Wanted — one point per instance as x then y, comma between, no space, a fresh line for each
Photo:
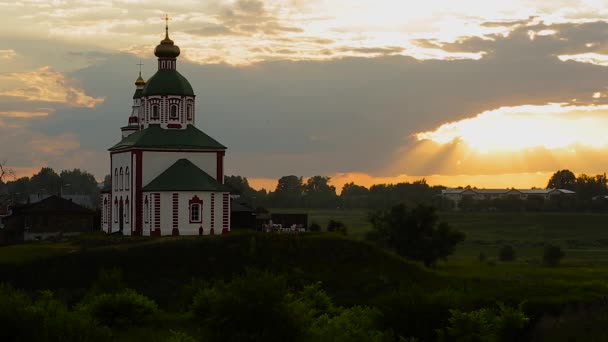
249,308
120,309
337,227
414,233
314,227
357,324
178,336
502,325
482,257
506,253
552,255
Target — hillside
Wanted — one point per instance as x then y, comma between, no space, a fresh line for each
351,271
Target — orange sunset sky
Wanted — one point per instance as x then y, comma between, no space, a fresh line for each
482,93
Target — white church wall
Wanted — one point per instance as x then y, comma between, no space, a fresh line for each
154,163
183,223
122,187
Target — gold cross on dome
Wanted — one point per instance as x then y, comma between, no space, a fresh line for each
140,64
166,18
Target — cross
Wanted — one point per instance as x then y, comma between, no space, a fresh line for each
166,19
140,64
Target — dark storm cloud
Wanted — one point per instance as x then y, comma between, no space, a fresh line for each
350,114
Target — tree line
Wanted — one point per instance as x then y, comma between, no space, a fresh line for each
316,192
49,182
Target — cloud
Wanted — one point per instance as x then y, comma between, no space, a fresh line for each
7,54
25,114
45,85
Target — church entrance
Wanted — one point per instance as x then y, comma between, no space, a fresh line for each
121,216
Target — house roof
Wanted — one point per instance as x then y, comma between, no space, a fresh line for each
159,138
240,207
53,204
184,176
505,191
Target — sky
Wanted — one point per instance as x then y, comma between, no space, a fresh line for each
483,93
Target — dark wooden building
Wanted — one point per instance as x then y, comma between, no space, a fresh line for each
50,218
241,216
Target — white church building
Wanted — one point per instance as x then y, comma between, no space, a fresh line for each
167,175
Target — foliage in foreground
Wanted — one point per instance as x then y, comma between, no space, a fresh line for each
414,233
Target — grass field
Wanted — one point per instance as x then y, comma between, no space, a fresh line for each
584,237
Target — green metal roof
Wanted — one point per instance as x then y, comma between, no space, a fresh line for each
184,176
138,93
159,138
168,82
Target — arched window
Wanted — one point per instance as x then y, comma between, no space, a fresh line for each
195,212
122,179
146,211
115,180
105,211
127,210
115,210
189,112
155,113
173,113
128,179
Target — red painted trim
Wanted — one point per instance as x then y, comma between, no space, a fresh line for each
201,230
138,193
174,126
220,166
211,231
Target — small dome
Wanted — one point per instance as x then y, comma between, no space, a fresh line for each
166,48
140,81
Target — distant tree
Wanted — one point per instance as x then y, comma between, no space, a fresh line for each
238,185
562,179
415,233
337,227
552,255
314,227
319,194
46,181
107,182
6,172
506,253
354,196
288,192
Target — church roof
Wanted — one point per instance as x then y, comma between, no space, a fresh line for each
184,176
168,82
159,138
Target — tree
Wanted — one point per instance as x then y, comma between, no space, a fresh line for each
288,192
354,196
319,194
334,226
552,255
6,172
506,253
415,233
562,179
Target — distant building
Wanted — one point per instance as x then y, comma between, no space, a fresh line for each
83,200
457,195
52,217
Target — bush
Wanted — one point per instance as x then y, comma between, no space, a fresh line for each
506,253
503,325
357,324
249,308
314,227
482,257
120,309
337,227
552,255
414,233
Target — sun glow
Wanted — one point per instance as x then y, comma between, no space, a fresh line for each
511,129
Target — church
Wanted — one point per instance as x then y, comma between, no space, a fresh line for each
167,175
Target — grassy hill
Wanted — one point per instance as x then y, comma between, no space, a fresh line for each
350,270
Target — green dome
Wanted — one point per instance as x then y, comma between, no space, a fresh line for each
168,82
